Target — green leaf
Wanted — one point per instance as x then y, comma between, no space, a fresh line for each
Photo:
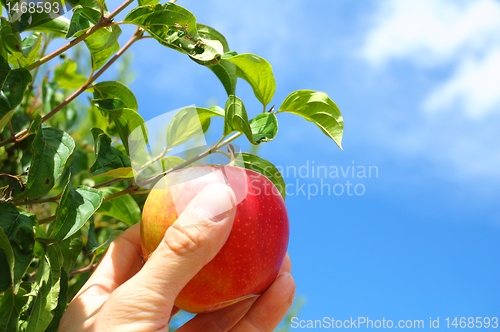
32,44
51,149
47,297
93,246
175,27
31,48
117,101
61,302
59,281
206,52
210,33
5,117
55,258
92,242
71,248
115,90
40,317
264,127
159,19
19,228
10,308
66,76
170,162
108,158
219,44
205,114
126,120
257,72
10,39
75,208
103,44
78,24
12,87
226,72
92,9
44,22
6,262
318,108
123,208
148,2
236,118
48,91
122,173
265,168
189,122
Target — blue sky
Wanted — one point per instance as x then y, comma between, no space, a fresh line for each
418,84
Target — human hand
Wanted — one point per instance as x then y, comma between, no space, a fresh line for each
124,294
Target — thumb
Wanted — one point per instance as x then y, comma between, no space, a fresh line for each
191,242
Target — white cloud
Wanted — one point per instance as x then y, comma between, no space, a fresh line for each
430,33
475,87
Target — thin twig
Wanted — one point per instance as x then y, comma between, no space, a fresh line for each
36,201
129,190
23,133
215,147
104,21
87,268
84,87
46,220
155,159
107,183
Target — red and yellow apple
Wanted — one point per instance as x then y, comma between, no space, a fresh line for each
252,256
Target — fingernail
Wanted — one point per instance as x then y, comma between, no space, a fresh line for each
215,201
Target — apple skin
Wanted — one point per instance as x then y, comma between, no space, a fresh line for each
252,256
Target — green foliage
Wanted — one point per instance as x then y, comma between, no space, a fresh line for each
18,228
67,169
188,123
264,127
109,161
75,208
13,83
236,118
51,149
258,73
264,167
318,108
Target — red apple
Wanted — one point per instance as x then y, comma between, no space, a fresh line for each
253,254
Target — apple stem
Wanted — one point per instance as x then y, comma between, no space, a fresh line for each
214,148
230,148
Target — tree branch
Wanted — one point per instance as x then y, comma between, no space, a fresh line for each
104,21
22,134
46,220
87,268
137,35
36,201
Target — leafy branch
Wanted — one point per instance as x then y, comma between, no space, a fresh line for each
103,22
23,133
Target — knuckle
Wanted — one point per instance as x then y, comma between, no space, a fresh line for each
184,240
